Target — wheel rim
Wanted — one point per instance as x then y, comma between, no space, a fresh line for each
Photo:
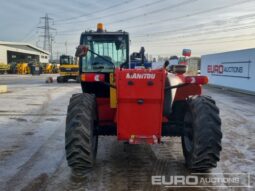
188,131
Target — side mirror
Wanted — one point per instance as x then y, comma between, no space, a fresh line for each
186,52
166,64
81,51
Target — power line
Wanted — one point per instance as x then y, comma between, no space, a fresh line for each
142,15
221,30
188,28
200,40
202,43
195,14
120,12
31,33
96,11
188,15
28,35
182,35
168,31
173,18
200,34
155,11
168,40
205,32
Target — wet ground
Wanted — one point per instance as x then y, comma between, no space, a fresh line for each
32,156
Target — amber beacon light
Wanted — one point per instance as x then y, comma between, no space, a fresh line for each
100,27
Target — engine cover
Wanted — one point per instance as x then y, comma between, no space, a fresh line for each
140,96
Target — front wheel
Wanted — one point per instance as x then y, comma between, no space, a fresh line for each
60,79
201,140
78,79
80,137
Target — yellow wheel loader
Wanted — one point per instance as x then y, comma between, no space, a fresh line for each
47,68
22,68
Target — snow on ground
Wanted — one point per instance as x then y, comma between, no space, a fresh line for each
32,156
238,127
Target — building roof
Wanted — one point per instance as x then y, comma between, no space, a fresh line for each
21,45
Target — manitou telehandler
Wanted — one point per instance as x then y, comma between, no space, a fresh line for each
139,106
68,69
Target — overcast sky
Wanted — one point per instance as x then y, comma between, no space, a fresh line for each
163,27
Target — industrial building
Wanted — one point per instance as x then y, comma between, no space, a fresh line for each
16,52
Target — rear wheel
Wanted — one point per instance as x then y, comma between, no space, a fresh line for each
60,79
65,79
80,137
201,140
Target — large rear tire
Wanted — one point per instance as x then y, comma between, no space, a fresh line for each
201,140
80,136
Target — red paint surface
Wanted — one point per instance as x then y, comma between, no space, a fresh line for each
106,114
141,120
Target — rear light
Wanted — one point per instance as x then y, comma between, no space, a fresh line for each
196,80
91,77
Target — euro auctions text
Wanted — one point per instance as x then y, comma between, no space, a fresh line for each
203,180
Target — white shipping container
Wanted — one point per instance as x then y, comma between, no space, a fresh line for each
235,69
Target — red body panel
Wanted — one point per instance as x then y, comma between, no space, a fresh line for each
106,114
140,98
184,92
140,95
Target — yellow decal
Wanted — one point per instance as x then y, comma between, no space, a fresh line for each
113,93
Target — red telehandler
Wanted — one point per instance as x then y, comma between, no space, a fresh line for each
137,105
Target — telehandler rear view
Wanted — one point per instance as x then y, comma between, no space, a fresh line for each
137,105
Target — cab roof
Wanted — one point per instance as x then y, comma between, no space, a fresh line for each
104,32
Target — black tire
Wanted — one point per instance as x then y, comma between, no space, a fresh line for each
78,79
80,137
201,139
65,79
60,79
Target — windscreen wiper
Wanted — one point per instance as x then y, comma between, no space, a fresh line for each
103,58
